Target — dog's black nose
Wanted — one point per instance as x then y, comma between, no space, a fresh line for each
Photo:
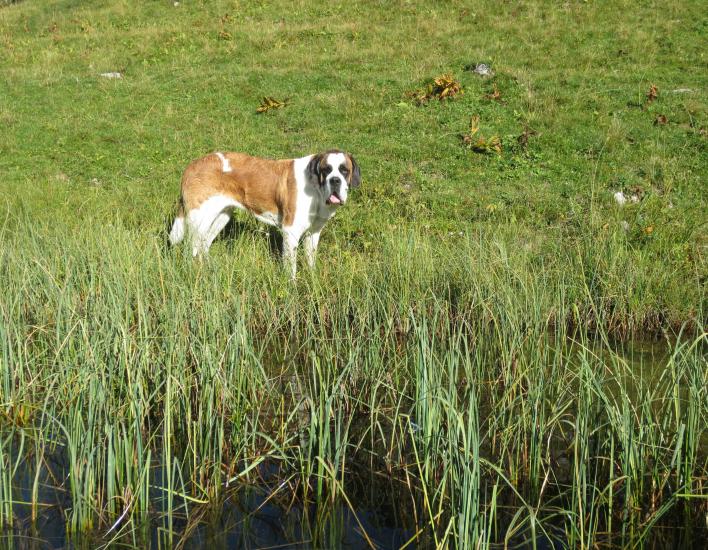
335,180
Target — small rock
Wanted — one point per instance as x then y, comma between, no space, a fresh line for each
482,69
620,198
624,225
111,75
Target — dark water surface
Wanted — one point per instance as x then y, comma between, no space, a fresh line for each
252,516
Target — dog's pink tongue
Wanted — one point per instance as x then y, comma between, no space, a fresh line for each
334,199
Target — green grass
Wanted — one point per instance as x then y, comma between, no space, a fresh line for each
460,332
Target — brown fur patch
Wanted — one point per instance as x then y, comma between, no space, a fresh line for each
260,185
350,167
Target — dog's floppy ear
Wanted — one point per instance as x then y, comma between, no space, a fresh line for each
356,173
313,171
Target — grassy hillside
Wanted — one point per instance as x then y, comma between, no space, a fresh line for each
86,151
460,331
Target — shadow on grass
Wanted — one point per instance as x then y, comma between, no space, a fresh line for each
236,227
233,230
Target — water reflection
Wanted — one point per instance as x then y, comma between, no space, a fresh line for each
248,518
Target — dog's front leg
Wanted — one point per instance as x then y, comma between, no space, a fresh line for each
310,243
312,239
290,242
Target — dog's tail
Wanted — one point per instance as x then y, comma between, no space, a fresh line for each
177,232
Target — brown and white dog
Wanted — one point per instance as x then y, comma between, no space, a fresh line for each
297,195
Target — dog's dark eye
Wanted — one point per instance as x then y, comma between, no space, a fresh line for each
343,170
326,170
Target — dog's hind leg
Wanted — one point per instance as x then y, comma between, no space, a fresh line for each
177,231
217,225
206,222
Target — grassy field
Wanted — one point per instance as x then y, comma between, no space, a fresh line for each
466,333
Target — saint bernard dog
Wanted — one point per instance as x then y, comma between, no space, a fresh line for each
296,195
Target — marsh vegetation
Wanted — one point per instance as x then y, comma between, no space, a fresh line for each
491,351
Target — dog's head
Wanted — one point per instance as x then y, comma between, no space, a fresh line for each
334,172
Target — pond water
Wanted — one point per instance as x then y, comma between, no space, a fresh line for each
250,519
264,516
245,520
253,516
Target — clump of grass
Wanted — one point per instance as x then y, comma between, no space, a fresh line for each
441,87
477,142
